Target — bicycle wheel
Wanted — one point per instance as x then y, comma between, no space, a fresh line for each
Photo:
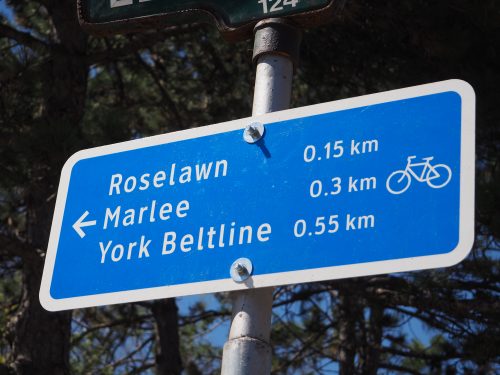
398,182
438,176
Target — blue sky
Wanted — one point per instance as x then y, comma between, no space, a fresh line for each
4,10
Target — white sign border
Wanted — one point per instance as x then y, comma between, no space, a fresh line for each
466,226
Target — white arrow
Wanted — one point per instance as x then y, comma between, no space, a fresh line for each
79,224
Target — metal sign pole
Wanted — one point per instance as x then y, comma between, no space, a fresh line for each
276,51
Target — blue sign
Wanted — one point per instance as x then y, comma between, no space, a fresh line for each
376,184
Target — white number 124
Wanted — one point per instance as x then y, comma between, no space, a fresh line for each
277,5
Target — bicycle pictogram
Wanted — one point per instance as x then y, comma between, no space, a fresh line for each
436,176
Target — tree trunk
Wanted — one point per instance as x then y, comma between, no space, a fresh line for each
168,357
40,339
347,332
375,328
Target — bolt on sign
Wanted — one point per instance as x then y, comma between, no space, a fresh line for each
370,185
235,19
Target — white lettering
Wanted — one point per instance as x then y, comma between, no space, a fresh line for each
186,241
164,210
203,172
158,179
263,231
143,247
182,207
129,217
216,237
247,229
114,256
112,216
350,223
185,175
144,181
218,165
116,180
104,250
354,147
119,3
161,178
168,240
353,184
130,184
130,247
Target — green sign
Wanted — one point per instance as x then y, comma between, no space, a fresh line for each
231,16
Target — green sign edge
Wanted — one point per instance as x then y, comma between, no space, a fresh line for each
306,19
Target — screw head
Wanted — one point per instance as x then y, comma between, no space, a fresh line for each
253,132
241,269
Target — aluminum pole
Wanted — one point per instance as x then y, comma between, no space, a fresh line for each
273,84
248,350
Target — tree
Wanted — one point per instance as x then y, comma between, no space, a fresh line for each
32,176
377,47
62,90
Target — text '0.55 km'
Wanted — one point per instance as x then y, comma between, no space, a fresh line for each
330,225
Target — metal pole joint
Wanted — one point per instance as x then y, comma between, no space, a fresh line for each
279,37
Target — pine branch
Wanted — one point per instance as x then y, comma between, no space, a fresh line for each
392,368
420,355
96,327
205,315
20,37
167,99
15,246
138,42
